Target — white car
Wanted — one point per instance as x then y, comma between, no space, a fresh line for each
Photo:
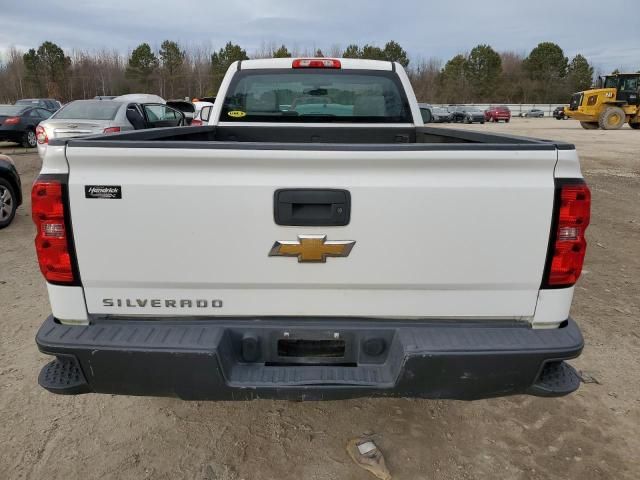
316,240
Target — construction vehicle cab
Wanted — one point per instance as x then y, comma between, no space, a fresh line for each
615,102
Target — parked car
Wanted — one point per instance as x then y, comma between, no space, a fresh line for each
558,113
46,103
186,107
467,115
431,114
497,114
440,115
18,123
204,99
10,191
92,117
533,113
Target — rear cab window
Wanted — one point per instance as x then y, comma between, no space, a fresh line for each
316,95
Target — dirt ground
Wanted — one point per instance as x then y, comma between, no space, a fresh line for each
594,433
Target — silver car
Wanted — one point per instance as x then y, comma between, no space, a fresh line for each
94,117
533,113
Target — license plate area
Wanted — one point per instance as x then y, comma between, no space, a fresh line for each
298,345
311,347
303,348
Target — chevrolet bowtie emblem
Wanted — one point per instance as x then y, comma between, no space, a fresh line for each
312,248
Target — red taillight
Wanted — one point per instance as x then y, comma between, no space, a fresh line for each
111,130
573,211
316,63
196,123
12,120
52,245
41,135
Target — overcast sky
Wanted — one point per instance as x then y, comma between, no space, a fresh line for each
606,32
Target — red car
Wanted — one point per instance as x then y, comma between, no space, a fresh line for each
495,114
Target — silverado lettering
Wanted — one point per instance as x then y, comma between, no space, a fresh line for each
157,303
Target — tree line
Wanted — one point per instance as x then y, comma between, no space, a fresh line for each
544,75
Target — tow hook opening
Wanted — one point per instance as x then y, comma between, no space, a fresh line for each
299,348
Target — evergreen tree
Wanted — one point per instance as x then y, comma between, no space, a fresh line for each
282,52
483,68
171,59
579,74
222,60
141,65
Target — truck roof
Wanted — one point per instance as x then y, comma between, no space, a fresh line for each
347,63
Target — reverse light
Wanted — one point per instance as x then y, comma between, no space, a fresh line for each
568,243
52,242
316,63
111,130
12,120
41,135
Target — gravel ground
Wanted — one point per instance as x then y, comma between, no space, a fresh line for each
594,433
10,148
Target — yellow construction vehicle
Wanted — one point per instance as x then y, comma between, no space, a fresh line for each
613,103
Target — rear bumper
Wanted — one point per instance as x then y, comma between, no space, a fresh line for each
13,176
12,133
212,360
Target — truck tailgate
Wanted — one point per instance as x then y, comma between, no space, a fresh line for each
439,233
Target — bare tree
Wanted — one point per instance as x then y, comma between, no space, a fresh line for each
334,51
12,75
424,76
199,62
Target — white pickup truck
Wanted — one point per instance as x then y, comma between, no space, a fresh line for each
314,240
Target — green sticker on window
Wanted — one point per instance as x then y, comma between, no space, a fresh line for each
236,113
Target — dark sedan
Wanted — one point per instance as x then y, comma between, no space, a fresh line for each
10,191
440,115
18,123
558,113
467,115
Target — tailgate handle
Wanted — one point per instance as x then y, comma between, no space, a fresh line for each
311,207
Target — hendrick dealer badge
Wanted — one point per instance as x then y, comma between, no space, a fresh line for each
103,191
